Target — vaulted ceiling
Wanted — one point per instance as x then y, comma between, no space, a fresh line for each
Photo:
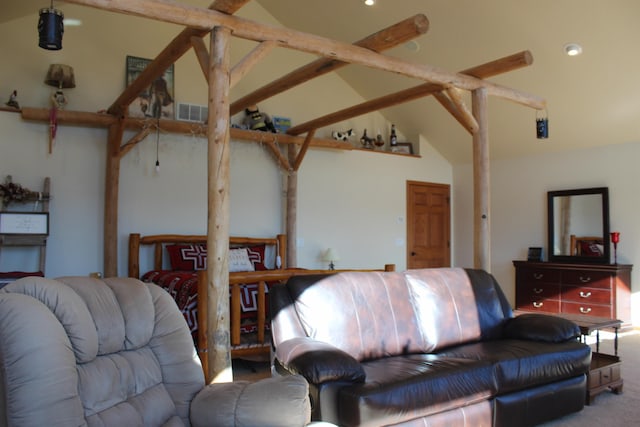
593,99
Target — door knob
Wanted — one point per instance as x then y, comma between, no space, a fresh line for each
413,254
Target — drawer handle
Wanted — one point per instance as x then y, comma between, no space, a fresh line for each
537,304
585,294
538,276
584,279
538,290
585,310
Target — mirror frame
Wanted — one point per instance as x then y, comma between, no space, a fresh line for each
606,257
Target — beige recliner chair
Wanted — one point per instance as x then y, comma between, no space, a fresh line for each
78,351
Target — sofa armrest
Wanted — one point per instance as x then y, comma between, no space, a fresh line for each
541,327
278,401
318,361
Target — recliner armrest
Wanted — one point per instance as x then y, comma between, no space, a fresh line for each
541,327
318,361
277,402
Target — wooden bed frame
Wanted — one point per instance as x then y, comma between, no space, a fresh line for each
261,346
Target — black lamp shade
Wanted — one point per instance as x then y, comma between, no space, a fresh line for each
50,29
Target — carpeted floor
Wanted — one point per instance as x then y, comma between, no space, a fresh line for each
608,409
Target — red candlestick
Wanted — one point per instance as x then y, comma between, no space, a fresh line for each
615,239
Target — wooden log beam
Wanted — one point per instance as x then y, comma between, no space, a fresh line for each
292,211
204,19
78,118
218,164
111,190
380,41
66,117
251,59
457,108
134,140
202,54
481,183
170,54
303,150
284,163
486,70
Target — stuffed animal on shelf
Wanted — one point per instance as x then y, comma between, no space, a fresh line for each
257,120
342,136
13,100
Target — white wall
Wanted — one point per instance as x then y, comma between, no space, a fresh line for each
519,205
352,201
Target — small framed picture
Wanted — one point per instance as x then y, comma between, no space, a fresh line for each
403,148
535,254
156,100
24,223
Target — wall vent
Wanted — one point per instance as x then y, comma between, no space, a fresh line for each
192,112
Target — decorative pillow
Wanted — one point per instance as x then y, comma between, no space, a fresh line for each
194,257
239,260
188,257
256,255
590,248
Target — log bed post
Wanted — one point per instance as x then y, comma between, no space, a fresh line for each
481,208
219,358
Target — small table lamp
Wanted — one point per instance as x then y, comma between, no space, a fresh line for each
330,256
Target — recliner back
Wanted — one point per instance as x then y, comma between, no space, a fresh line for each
82,351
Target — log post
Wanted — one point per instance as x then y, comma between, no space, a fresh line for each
111,190
292,210
219,356
481,188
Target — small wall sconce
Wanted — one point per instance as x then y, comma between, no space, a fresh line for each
50,28
542,124
331,256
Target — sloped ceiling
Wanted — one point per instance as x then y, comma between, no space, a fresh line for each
593,99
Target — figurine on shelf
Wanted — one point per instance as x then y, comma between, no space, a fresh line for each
256,120
13,100
342,136
366,141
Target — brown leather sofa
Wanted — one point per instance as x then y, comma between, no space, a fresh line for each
437,347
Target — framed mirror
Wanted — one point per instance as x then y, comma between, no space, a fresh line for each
578,225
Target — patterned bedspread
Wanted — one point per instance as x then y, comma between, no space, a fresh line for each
183,287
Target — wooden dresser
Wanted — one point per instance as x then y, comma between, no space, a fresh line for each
601,290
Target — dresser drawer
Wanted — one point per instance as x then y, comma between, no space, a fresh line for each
587,309
528,291
584,295
541,305
538,275
592,279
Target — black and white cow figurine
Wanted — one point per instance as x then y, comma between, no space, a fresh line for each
342,136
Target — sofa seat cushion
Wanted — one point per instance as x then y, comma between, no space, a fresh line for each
522,364
401,388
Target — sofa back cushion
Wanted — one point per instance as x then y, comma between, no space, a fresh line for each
367,315
375,314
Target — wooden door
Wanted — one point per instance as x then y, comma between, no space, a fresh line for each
428,225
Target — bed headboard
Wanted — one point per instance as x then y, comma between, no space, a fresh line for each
159,241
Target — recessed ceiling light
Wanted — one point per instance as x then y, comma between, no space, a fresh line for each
572,49
71,22
369,2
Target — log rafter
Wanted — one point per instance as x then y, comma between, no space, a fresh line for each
486,70
205,19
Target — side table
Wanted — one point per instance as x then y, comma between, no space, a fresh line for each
604,373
